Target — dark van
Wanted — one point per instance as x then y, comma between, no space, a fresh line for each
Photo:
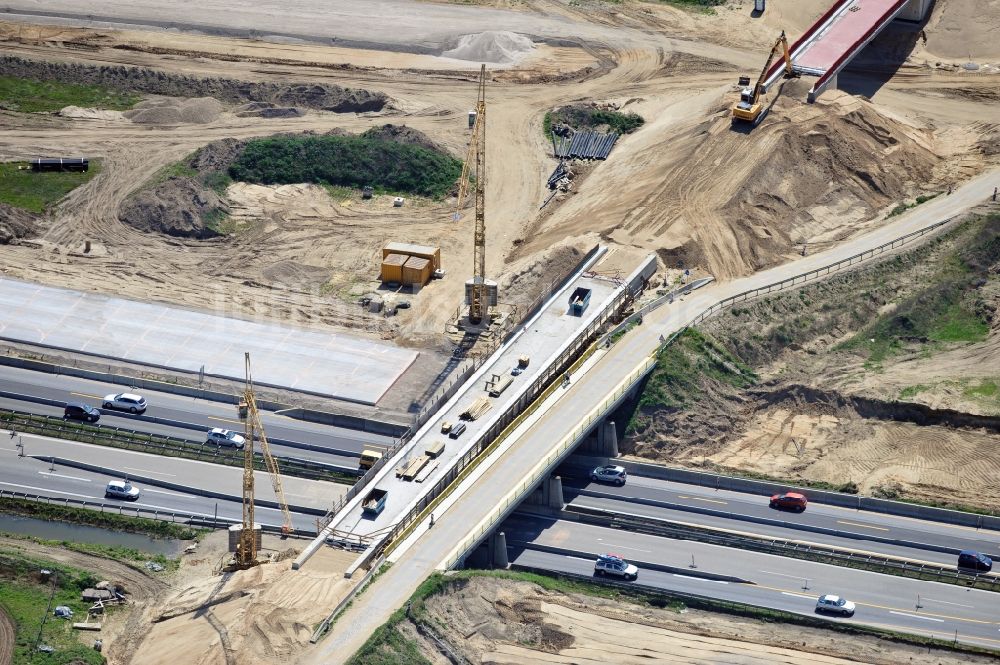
85,412
970,560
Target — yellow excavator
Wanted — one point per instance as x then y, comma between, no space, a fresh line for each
751,108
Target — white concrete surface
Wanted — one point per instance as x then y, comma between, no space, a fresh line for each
331,364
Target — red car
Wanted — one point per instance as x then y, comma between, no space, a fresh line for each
789,501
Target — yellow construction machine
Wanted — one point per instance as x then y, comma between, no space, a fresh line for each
751,108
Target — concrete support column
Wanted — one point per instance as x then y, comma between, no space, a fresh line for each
498,550
555,499
832,85
609,439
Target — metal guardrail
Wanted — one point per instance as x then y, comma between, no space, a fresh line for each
782,547
818,273
541,470
155,443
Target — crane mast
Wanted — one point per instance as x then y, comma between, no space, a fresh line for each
246,554
479,297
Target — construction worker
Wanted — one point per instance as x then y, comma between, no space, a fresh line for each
949,190
994,193
432,521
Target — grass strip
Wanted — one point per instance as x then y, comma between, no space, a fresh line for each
23,188
31,96
65,513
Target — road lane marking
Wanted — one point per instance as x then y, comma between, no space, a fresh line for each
915,616
59,475
700,579
794,577
622,547
945,602
226,420
155,473
797,595
863,526
578,558
698,498
890,608
46,489
87,395
183,496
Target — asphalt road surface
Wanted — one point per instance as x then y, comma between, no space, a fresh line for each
740,509
338,445
31,476
885,601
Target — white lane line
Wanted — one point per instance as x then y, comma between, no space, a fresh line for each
915,616
154,473
794,577
796,595
700,579
183,496
46,489
945,602
59,475
622,547
578,558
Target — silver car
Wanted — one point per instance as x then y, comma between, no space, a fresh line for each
225,437
609,473
835,605
122,489
125,402
615,566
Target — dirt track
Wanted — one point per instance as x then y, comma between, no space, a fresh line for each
6,638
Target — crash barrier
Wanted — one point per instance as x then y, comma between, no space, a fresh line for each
29,423
814,551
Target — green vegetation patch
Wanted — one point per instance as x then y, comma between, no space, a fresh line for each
948,307
114,521
586,117
29,96
680,366
352,161
903,207
23,188
25,597
707,6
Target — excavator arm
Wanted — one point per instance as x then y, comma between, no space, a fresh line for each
750,107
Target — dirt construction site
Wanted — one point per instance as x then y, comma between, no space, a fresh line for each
913,116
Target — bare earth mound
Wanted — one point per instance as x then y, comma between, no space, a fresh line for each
733,201
15,224
510,622
176,207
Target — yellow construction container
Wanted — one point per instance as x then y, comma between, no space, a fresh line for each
417,270
432,254
392,267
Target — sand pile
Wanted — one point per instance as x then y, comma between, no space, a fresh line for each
501,47
196,111
177,207
90,114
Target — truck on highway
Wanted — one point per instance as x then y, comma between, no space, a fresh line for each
374,502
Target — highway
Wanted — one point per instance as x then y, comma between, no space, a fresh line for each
742,512
167,483
336,445
895,603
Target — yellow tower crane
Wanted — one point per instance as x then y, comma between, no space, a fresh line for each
246,552
479,297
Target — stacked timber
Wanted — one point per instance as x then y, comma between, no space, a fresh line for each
475,410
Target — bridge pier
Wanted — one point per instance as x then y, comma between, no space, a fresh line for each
491,553
604,444
548,494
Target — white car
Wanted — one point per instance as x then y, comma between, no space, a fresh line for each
835,605
125,402
609,474
615,566
225,437
122,489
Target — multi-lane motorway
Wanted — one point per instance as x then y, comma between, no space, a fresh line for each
332,445
839,527
928,608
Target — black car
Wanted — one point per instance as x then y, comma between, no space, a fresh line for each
82,412
970,560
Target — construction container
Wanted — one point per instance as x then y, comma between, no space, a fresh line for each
578,301
234,536
392,267
435,449
416,270
433,254
491,292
